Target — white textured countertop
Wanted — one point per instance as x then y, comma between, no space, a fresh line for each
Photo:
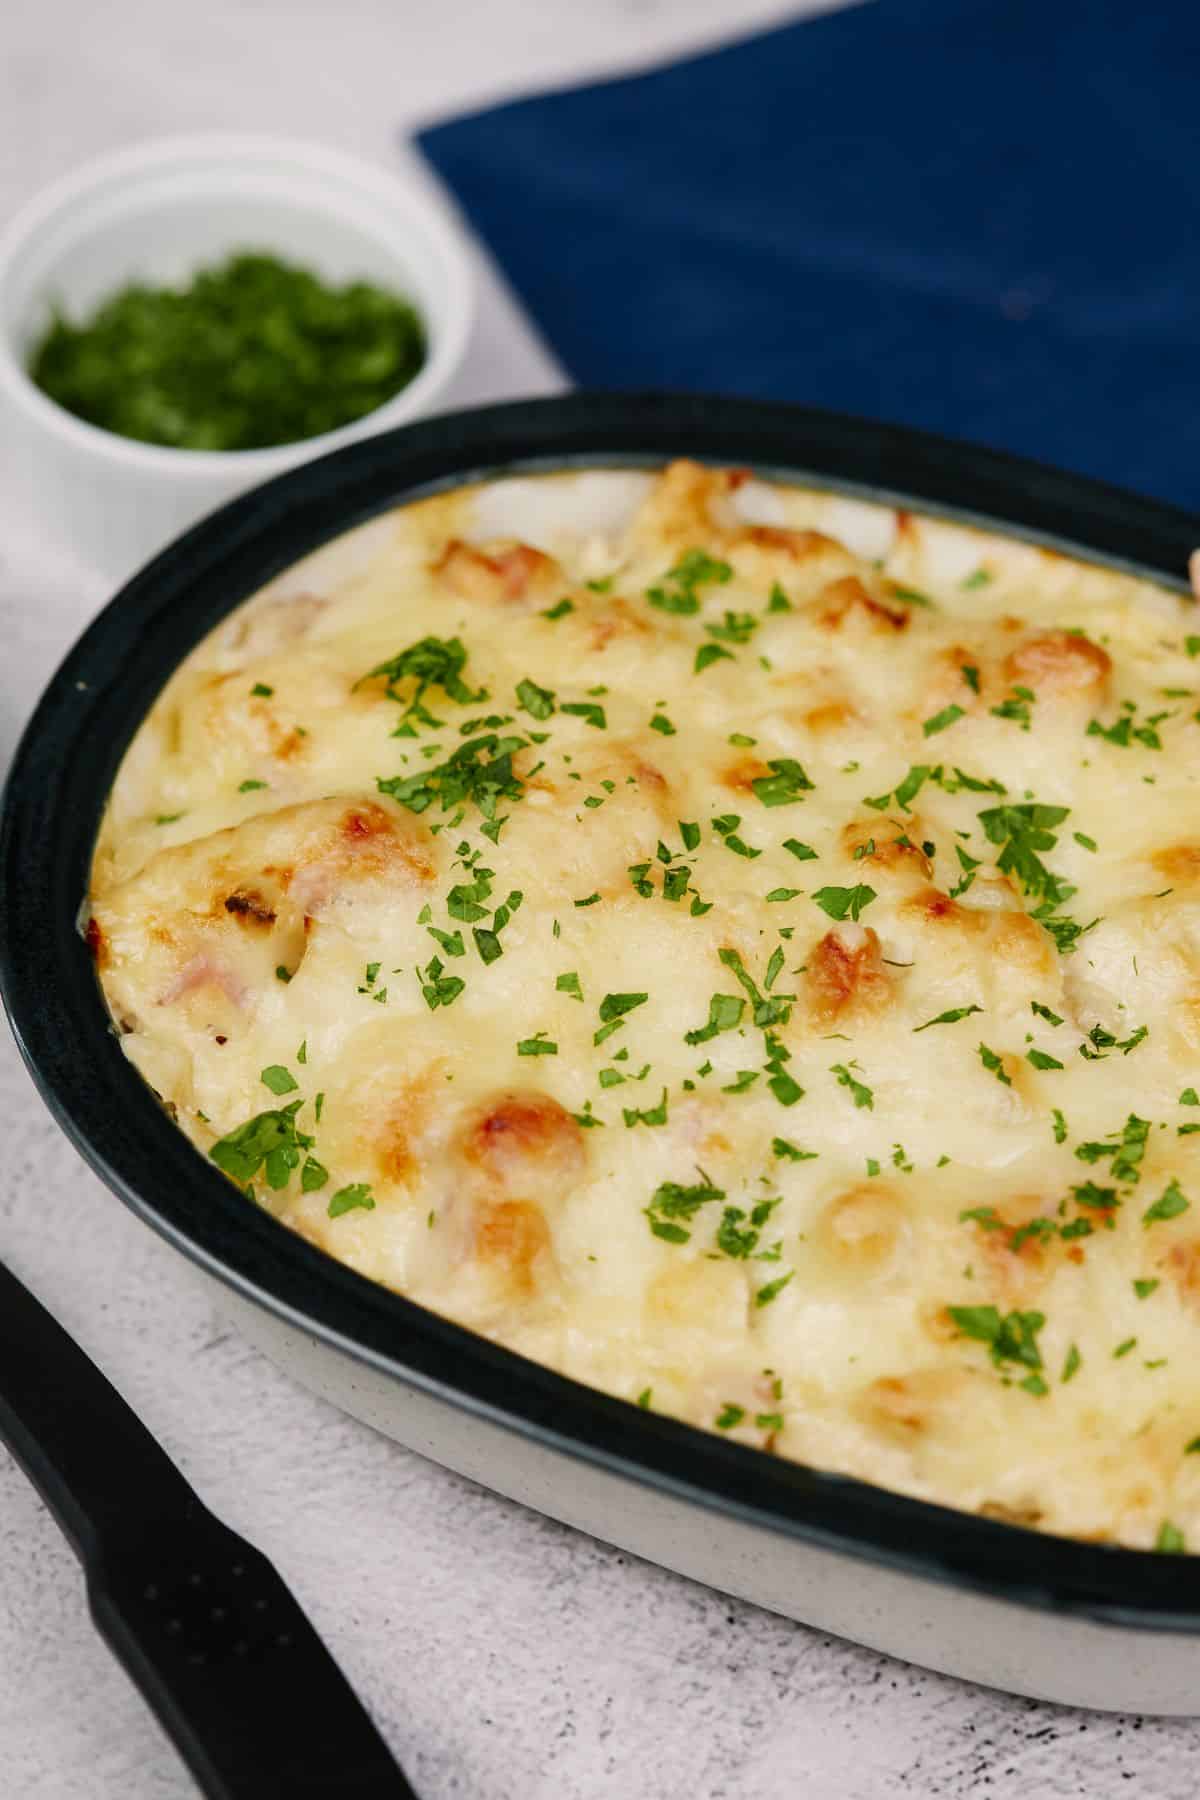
505,1657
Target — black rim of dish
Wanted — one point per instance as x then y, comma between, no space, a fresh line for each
60,779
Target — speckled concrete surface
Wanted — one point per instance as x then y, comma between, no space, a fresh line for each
505,1657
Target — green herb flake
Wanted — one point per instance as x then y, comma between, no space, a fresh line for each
1144,1289
569,984
1011,1338
559,610
1071,1364
1170,1540
260,691
357,1195
708,654
662,724
724,1014
244,354
941,720
1169,1205
651,1115
677,593
538,1045
1041,1059
784,1148
537,701
765,1295
278,1079
860,1093
949,1018
993,1064
843,902
786,783
249,787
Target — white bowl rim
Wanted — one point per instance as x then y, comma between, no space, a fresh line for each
446,337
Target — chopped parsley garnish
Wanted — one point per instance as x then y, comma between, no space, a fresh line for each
245,352
1016,707
537,701
431,662
260,691
785,784
1103,1041
779,602
270,1141
1170,1540
949,1018
729,1416
248,787
724,1013
941,720
313,1175
615,1006
802,852
765,1295
438,988
1023,832
569,984
784,1148
840,902
1011,1338
1041,1059
737,628
690,834
1144,1289
538,1045
662,724
652,1115
559,610
1124,731
672,1201
279,1079
347,1199
1170,1203
1071,1364
725,825
588,900
588,711
708,654
1044,1012
861,1094
778,895
979,578
994,1064
480,771
677,591
1060,1126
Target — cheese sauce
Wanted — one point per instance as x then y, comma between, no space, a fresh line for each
737,945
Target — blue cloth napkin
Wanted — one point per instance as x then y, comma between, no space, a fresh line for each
977,216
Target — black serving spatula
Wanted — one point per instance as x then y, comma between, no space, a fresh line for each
214,1639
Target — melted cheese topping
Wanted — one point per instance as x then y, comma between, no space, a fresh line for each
735,944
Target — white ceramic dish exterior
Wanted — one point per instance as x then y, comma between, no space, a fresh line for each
1046,1656
156,213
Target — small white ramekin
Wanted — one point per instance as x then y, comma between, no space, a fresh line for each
155,213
